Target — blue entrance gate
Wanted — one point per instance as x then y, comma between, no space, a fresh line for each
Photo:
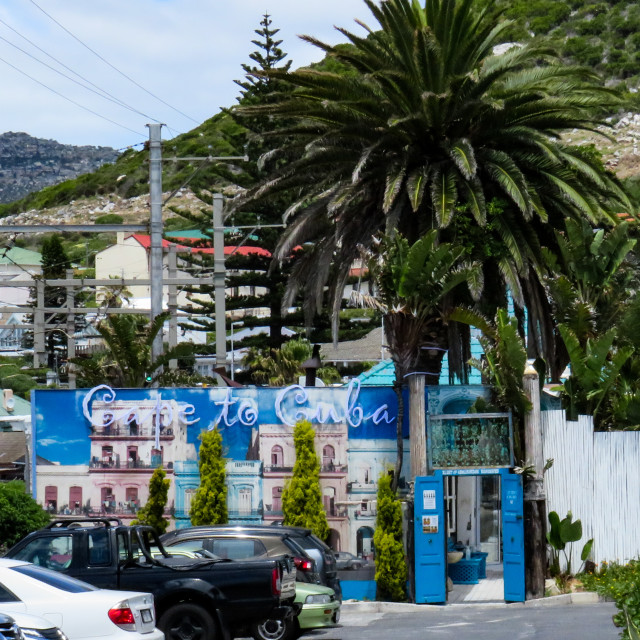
429,536
512,536
430,542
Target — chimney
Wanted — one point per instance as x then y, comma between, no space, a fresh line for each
8,401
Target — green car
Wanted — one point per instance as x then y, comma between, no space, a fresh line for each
320,608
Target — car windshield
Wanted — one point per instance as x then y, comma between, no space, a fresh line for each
54,579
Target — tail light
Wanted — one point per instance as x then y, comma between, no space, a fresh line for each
276,582
303,564
122,616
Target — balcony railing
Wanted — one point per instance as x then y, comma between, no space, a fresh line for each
276,468
269,511
118,465
254,513
363,515
129,431
331,467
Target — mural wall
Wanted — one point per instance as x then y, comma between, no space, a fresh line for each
97,448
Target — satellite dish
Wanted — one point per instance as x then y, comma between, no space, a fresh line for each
10,403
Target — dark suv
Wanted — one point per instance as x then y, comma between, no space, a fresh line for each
313,558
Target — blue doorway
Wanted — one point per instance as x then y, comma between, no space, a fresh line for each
446,548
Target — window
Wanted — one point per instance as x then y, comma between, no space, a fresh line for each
188,497
277,456
51,498
52,552
132,457
133,424
75,499
98,547
57,580
244,501
328,455
364,475
7,596
123,546
276,498
238,549
329,500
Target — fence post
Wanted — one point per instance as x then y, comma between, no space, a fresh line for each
534,496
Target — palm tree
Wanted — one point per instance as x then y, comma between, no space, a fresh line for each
424,127
414,288
126,360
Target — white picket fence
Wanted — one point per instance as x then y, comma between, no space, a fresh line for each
596,476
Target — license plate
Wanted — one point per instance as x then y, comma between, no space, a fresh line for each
147,616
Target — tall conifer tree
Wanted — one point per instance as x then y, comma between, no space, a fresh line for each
391,567
302,496
209,505
152,513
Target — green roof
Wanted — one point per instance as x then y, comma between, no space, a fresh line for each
381,375
18,255
196,234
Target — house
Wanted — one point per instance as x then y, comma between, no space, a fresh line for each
277,453
16,265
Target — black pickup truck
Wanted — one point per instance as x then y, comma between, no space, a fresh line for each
196,598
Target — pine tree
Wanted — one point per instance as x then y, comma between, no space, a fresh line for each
54,266
209,505
152,513
391,566
265,280
302,496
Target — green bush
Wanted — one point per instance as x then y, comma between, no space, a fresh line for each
620,583
391,574
20,514
391,567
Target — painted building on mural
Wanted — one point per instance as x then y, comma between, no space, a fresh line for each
113,440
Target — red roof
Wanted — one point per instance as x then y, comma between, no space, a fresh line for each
244,250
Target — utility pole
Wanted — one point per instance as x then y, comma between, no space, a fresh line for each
219,281
39,350
173,303
71,328
155,227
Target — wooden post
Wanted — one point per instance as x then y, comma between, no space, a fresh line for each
417,426
418,462
535,543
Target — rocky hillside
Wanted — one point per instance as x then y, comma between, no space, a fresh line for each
29,164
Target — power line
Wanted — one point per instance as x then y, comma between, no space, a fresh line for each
95,113
98,90
111,65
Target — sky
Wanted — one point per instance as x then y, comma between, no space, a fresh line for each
142,61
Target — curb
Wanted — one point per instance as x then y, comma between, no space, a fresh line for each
584,597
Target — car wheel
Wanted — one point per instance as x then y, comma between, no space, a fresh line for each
187,622
275,629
